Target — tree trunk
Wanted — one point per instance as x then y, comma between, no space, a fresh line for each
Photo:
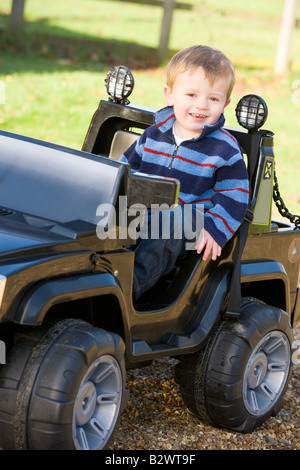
16,21
169,6
287,26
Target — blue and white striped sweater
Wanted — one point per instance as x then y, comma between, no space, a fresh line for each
210,168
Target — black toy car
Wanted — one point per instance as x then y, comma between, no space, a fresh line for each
67,319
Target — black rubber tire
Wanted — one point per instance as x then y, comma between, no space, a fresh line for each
212,381
41,381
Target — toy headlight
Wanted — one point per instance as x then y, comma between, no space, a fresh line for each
251,112
119,84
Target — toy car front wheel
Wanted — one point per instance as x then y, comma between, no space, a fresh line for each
70,389
238,380
97,404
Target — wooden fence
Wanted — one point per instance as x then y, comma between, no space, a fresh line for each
165,31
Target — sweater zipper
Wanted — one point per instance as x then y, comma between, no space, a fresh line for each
173,156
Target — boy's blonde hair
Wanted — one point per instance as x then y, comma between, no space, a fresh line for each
214,63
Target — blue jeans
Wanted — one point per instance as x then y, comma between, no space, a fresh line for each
163,238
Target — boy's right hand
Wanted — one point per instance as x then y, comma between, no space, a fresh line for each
207,243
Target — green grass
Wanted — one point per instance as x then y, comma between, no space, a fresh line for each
53,76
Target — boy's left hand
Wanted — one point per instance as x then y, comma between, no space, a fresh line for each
207,243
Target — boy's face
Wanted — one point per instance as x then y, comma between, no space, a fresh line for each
196,101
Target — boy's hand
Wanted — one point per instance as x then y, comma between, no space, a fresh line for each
206,241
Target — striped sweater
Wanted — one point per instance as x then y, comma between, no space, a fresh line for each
210,168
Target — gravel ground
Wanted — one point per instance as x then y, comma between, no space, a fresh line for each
157,419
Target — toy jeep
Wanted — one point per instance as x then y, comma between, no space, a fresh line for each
68,323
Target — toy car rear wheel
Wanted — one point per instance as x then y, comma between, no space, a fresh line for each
66,392
238,380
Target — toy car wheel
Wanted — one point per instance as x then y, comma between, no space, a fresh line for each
238,380
97,404
70,389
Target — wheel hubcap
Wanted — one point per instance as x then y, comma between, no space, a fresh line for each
257,370
266,373
85,403
97,404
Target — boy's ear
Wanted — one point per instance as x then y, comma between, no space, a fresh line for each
168,95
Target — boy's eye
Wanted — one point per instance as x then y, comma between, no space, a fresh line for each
213,98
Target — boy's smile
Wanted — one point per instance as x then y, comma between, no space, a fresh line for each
197,102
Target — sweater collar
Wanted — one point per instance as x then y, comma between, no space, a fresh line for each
165,118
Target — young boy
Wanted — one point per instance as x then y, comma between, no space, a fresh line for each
188,142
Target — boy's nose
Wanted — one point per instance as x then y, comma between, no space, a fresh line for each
201,103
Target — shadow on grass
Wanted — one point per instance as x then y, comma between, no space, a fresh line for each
58,49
